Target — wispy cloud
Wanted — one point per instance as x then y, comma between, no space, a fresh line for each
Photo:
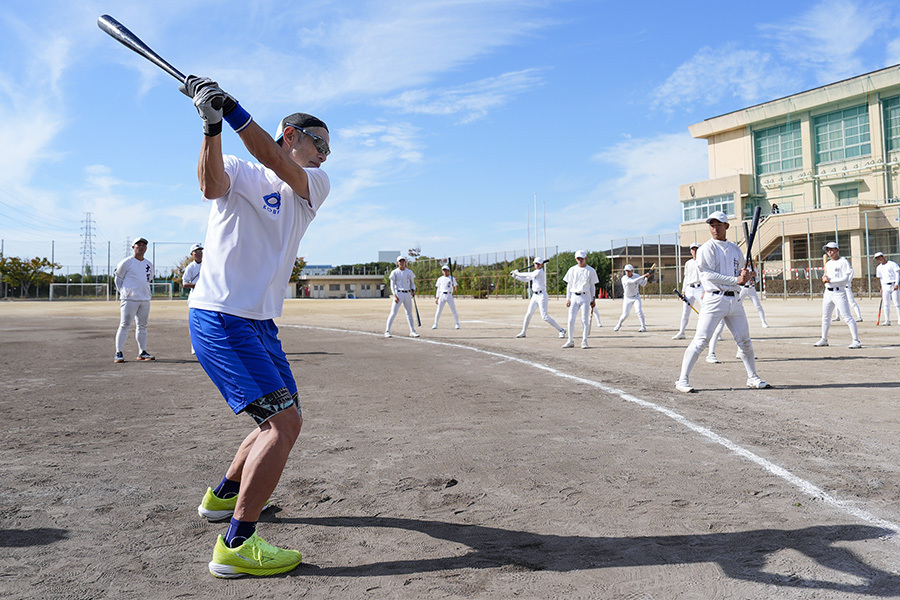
471,101
642,193
828,36
713,75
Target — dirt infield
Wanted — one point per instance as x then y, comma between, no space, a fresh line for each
463,464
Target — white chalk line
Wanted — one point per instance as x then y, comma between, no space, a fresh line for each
801,484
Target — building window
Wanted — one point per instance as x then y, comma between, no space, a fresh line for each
334,287
842,134
778,149
848,197
891,108
699,209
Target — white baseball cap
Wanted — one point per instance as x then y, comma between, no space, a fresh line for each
695,245
830,245
445,267
401,257
878,254
538,260
138,240
717,216
581,254
629,268
196,247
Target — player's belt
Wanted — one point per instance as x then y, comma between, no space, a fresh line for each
834,289
407,291
538,292
579,293
445,292
716,292
889,283
695,285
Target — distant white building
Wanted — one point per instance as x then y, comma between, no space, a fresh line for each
316,269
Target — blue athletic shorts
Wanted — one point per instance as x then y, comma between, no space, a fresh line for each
243,357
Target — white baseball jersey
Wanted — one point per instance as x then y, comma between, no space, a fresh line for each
402,280
444,285
631,286
888,273
191,273
538,279
720,264
839,272
133,278
261,214
581,280
691,275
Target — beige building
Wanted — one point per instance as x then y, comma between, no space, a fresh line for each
339,286
822,164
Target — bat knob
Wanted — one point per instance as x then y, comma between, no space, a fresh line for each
218,102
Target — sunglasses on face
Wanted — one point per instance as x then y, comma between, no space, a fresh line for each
320,143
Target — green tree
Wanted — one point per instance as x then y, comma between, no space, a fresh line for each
25,273
299,265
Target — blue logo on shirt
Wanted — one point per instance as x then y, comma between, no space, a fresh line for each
272,203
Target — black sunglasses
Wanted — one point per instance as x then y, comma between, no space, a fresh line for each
320,142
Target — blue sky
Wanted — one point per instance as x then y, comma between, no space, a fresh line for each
446,116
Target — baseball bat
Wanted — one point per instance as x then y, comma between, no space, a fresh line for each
752,235
685,300
880,302
418,320
128,39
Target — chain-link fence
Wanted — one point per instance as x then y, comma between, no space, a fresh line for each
487,275
787,251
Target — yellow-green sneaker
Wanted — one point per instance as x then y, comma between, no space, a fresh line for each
254,557
215,509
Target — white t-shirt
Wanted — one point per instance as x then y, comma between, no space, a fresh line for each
631,286
581,279
691,274
444,284
191,273
720,264
888,273
538,279
402,280
252,240
839,272
133,278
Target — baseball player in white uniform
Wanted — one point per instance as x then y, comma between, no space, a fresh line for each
691,289
838,275
631,297
722,273
446,286
717,334
581,280
133,277
192,272
258,215
889,274
539,296
851,300
403,288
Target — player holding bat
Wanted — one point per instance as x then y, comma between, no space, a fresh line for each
258,214
631,296
723,270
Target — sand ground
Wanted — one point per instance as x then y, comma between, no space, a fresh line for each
465,463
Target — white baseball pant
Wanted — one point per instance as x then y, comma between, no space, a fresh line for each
890,296
693,296
582,303
406,301
750,292
442,300
837,299
715,308
539,300
137,312
627,303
